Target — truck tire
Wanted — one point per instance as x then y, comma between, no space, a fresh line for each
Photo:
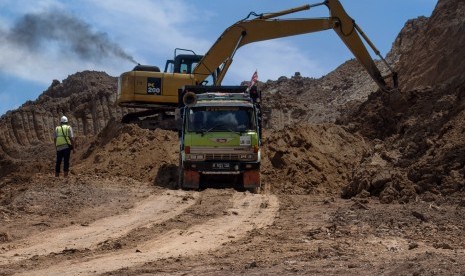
255,190
180,183
180,180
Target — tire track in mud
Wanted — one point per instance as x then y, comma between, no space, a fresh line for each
248,212
155,209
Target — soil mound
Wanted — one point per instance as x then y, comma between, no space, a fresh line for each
418,130
128,150
311,159
289,101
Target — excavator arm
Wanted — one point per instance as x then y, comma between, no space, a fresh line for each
266,27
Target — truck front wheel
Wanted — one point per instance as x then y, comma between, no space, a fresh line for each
180,179
251,180
255,190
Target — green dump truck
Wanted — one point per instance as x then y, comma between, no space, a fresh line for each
220,135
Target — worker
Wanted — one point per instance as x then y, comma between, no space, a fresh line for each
64,143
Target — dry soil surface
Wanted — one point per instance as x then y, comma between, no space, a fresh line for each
87,225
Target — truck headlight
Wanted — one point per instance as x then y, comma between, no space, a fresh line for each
248,156
196,157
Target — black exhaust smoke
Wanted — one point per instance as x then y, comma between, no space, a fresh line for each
68,33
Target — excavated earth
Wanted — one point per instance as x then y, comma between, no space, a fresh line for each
355,180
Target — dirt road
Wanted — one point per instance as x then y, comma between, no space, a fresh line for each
238,214
153,210
118,226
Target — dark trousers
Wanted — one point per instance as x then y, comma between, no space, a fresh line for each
63,154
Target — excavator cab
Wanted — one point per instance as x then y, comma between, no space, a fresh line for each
186,63
182,64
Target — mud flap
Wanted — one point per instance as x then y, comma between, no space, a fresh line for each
251,179
191,179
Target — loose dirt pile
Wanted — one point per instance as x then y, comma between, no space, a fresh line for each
311,159
419,130
144,155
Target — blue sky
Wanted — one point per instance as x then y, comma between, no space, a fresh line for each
150,30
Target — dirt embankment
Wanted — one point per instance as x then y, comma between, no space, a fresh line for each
418,130
311,159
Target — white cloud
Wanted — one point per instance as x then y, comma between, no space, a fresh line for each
151,29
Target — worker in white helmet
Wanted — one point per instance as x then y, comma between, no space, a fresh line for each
64,143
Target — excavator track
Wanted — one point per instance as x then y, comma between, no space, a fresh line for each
152,119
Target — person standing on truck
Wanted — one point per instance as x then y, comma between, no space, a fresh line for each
64,143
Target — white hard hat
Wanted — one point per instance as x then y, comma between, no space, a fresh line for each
64,119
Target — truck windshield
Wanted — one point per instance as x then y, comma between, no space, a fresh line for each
235,119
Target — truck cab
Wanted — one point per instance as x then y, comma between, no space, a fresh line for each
220,134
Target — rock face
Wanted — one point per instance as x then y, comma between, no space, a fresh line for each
86,98
403,44
431,50
298,99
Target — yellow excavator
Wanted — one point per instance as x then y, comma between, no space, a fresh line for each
156,92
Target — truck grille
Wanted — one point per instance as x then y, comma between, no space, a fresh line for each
223,156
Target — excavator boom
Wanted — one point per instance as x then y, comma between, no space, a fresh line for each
245,32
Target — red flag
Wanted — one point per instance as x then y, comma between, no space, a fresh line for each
254,79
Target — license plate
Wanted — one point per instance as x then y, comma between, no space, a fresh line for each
220,166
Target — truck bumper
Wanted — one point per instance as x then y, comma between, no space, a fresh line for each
221,167
250,172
